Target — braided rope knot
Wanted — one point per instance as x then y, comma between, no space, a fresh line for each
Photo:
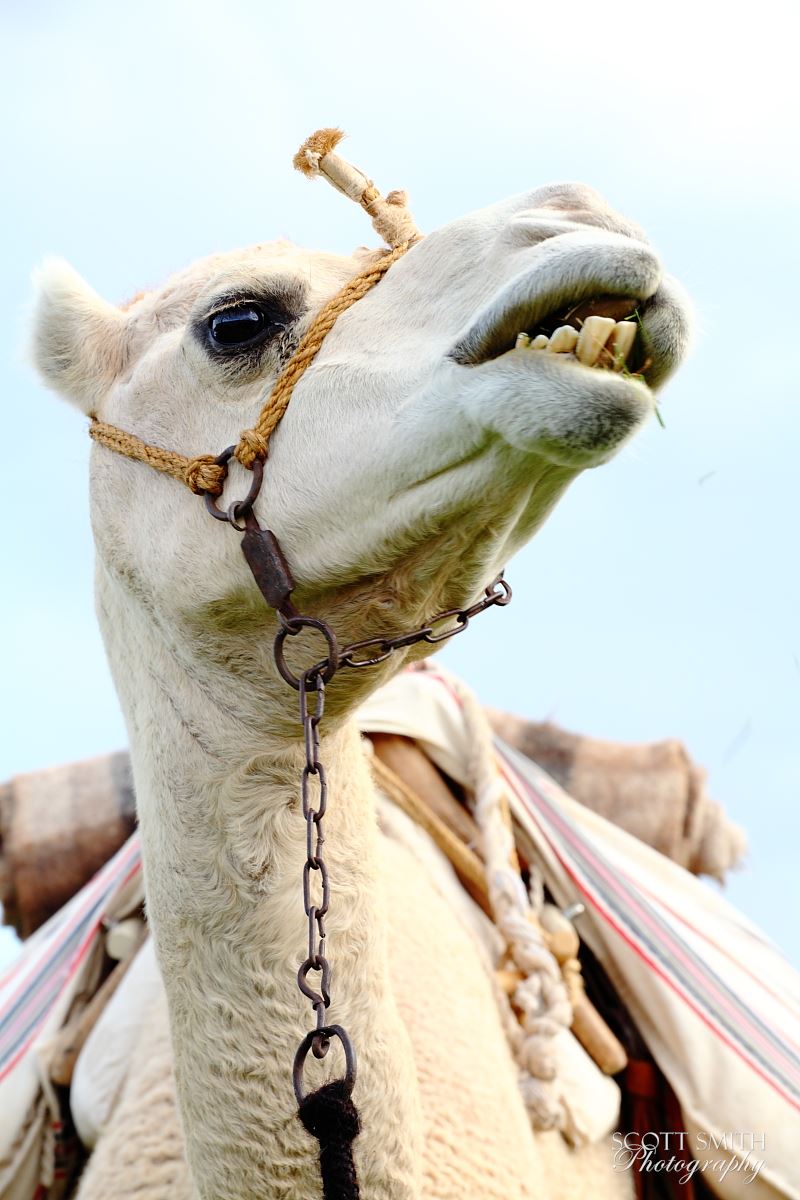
391,217
204,474
251,446
538,1101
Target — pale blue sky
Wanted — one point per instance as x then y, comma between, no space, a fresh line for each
662,597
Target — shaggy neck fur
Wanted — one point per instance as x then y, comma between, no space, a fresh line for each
224,846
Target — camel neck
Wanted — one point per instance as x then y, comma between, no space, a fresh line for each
224,846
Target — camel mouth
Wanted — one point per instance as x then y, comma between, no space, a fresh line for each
603,332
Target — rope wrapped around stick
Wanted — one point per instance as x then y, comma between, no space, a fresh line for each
390,215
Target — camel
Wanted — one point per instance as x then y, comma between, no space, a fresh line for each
424,446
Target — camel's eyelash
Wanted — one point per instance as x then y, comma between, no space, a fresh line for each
274,321
281,304
278,304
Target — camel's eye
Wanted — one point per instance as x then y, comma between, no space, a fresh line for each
241,325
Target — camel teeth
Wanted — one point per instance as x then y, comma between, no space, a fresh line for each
593,336
602,342
563,340
621,342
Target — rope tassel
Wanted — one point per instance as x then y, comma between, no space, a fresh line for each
330,1116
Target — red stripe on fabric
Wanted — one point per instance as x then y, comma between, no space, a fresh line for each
637,948
75,964
49,987
446,684
586,890
26,971
725,954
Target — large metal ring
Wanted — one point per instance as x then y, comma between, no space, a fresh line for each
327,1032
240,508
324,670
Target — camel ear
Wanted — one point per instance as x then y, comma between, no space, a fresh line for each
78,339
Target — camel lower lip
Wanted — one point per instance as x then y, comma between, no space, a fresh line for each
540,360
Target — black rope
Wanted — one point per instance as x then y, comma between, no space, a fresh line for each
330,1116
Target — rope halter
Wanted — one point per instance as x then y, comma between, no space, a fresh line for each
205,474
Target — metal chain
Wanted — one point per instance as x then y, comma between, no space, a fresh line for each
372,651
314,791
313,813
356,655
274,578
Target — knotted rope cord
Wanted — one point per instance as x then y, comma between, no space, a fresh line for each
203,473
541,996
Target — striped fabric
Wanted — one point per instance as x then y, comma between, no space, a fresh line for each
715,1001
32,985
717,1005
36,993
671,944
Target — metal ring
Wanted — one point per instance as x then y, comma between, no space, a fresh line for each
255,487
240,508
503,596
326,1033
324,670
221,460
233,516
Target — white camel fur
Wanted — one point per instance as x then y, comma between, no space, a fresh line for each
413,461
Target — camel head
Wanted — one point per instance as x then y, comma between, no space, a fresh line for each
420,450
